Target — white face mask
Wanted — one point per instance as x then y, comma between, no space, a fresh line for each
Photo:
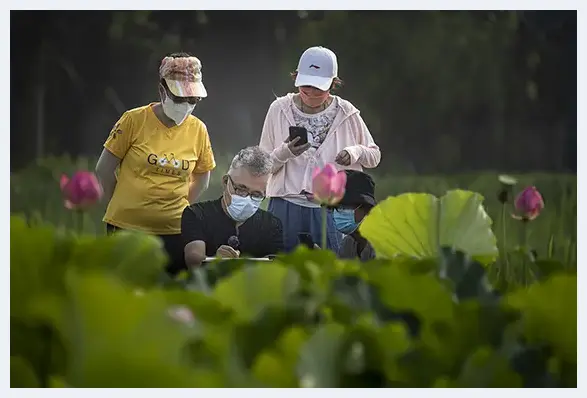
242,208
177,112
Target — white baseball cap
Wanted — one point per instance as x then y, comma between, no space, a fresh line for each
317,68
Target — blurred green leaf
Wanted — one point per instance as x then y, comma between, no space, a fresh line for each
136,258
468,277
396,289
487,369
253,288
36,264
270,370
549,313
21,374
252,338
276,367
320,359
40,346
372,353
123,339
204,308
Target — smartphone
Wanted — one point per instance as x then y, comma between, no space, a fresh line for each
306,240
295,131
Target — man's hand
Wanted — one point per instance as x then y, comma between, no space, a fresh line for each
297,150
226,251
343,158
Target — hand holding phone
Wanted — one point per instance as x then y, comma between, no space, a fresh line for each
301,132
297,142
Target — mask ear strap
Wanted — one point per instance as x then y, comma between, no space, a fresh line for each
162,92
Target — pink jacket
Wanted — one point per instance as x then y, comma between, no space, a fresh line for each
292,175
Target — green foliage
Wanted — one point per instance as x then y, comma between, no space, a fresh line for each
418,225
304,320
543,323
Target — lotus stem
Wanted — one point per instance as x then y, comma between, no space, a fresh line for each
504,262
324,224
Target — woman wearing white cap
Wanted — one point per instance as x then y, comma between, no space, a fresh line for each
336,134
163,156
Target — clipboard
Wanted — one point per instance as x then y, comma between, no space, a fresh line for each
212,259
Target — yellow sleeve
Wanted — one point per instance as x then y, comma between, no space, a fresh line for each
121,136
206,160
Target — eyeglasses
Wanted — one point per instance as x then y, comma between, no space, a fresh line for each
182,100
243,191
189,100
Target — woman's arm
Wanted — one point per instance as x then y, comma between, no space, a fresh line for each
200,176
366,152
117,144
199,182
192,233
105,171
271,140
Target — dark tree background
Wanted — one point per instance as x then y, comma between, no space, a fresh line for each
442,92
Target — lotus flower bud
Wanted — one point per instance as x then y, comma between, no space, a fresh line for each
328,185
81,191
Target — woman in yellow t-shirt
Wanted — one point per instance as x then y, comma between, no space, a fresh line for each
157,159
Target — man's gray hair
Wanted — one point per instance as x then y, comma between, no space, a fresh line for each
254,159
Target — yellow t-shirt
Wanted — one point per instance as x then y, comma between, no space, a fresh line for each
153,178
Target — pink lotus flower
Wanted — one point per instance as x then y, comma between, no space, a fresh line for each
328,185
529,204
81,191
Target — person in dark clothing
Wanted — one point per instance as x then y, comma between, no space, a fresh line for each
233,225
358,200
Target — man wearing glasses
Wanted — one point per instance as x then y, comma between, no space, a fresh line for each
233,225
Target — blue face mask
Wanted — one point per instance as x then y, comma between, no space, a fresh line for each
242,207
344,221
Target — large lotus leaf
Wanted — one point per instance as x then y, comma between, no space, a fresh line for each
419,224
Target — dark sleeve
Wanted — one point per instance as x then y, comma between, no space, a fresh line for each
274,237
192,224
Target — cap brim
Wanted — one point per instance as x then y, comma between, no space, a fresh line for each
321,83
369,200
354,200
186,89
